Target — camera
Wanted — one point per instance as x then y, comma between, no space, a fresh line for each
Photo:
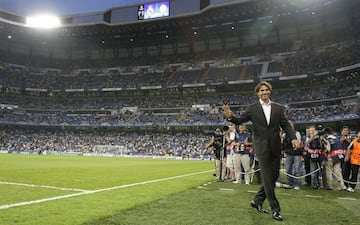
217,136
218,133
326,130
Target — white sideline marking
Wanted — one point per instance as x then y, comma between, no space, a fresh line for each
42,186
285,194
86,192
226,189
352,199
313,196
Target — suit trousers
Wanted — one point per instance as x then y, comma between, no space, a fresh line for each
269,166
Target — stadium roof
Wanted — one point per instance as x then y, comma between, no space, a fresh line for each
228,25
63,7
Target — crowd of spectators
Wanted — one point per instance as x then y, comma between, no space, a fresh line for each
185,118
330,87
67,65
302,61
324,113
156,144
108,111
306,60
127,118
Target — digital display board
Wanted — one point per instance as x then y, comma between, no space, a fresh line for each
153,10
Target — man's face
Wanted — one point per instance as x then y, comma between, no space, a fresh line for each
231,127
345,131
242,129
264,93
312,131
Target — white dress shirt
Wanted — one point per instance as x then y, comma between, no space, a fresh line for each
267,110
232,135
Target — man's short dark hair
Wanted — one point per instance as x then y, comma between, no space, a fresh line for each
265,83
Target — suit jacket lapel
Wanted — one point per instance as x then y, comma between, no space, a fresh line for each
262,112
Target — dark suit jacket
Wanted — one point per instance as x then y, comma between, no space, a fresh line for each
266,136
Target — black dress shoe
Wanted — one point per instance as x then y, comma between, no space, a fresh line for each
277,216
258,207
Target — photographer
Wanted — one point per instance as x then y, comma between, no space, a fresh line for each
230,134
335,154
293,159
217,142
241,157
316,152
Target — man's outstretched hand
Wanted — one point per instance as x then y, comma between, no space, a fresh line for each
227,111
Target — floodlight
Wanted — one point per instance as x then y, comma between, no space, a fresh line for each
43,21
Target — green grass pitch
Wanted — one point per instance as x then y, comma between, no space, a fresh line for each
68,190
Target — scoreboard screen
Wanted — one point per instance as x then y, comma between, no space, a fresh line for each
153,10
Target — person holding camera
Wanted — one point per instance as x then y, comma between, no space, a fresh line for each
335,154
230,135
292,160
217,142
241,157
306,158
315,149
267,117
345,141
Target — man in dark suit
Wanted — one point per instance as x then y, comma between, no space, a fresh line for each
267,117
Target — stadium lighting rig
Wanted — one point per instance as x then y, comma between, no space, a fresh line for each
43,21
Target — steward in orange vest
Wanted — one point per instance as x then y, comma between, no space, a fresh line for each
353,154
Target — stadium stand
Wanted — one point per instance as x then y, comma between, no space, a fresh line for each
160,85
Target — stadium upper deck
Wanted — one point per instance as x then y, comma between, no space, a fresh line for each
197,28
